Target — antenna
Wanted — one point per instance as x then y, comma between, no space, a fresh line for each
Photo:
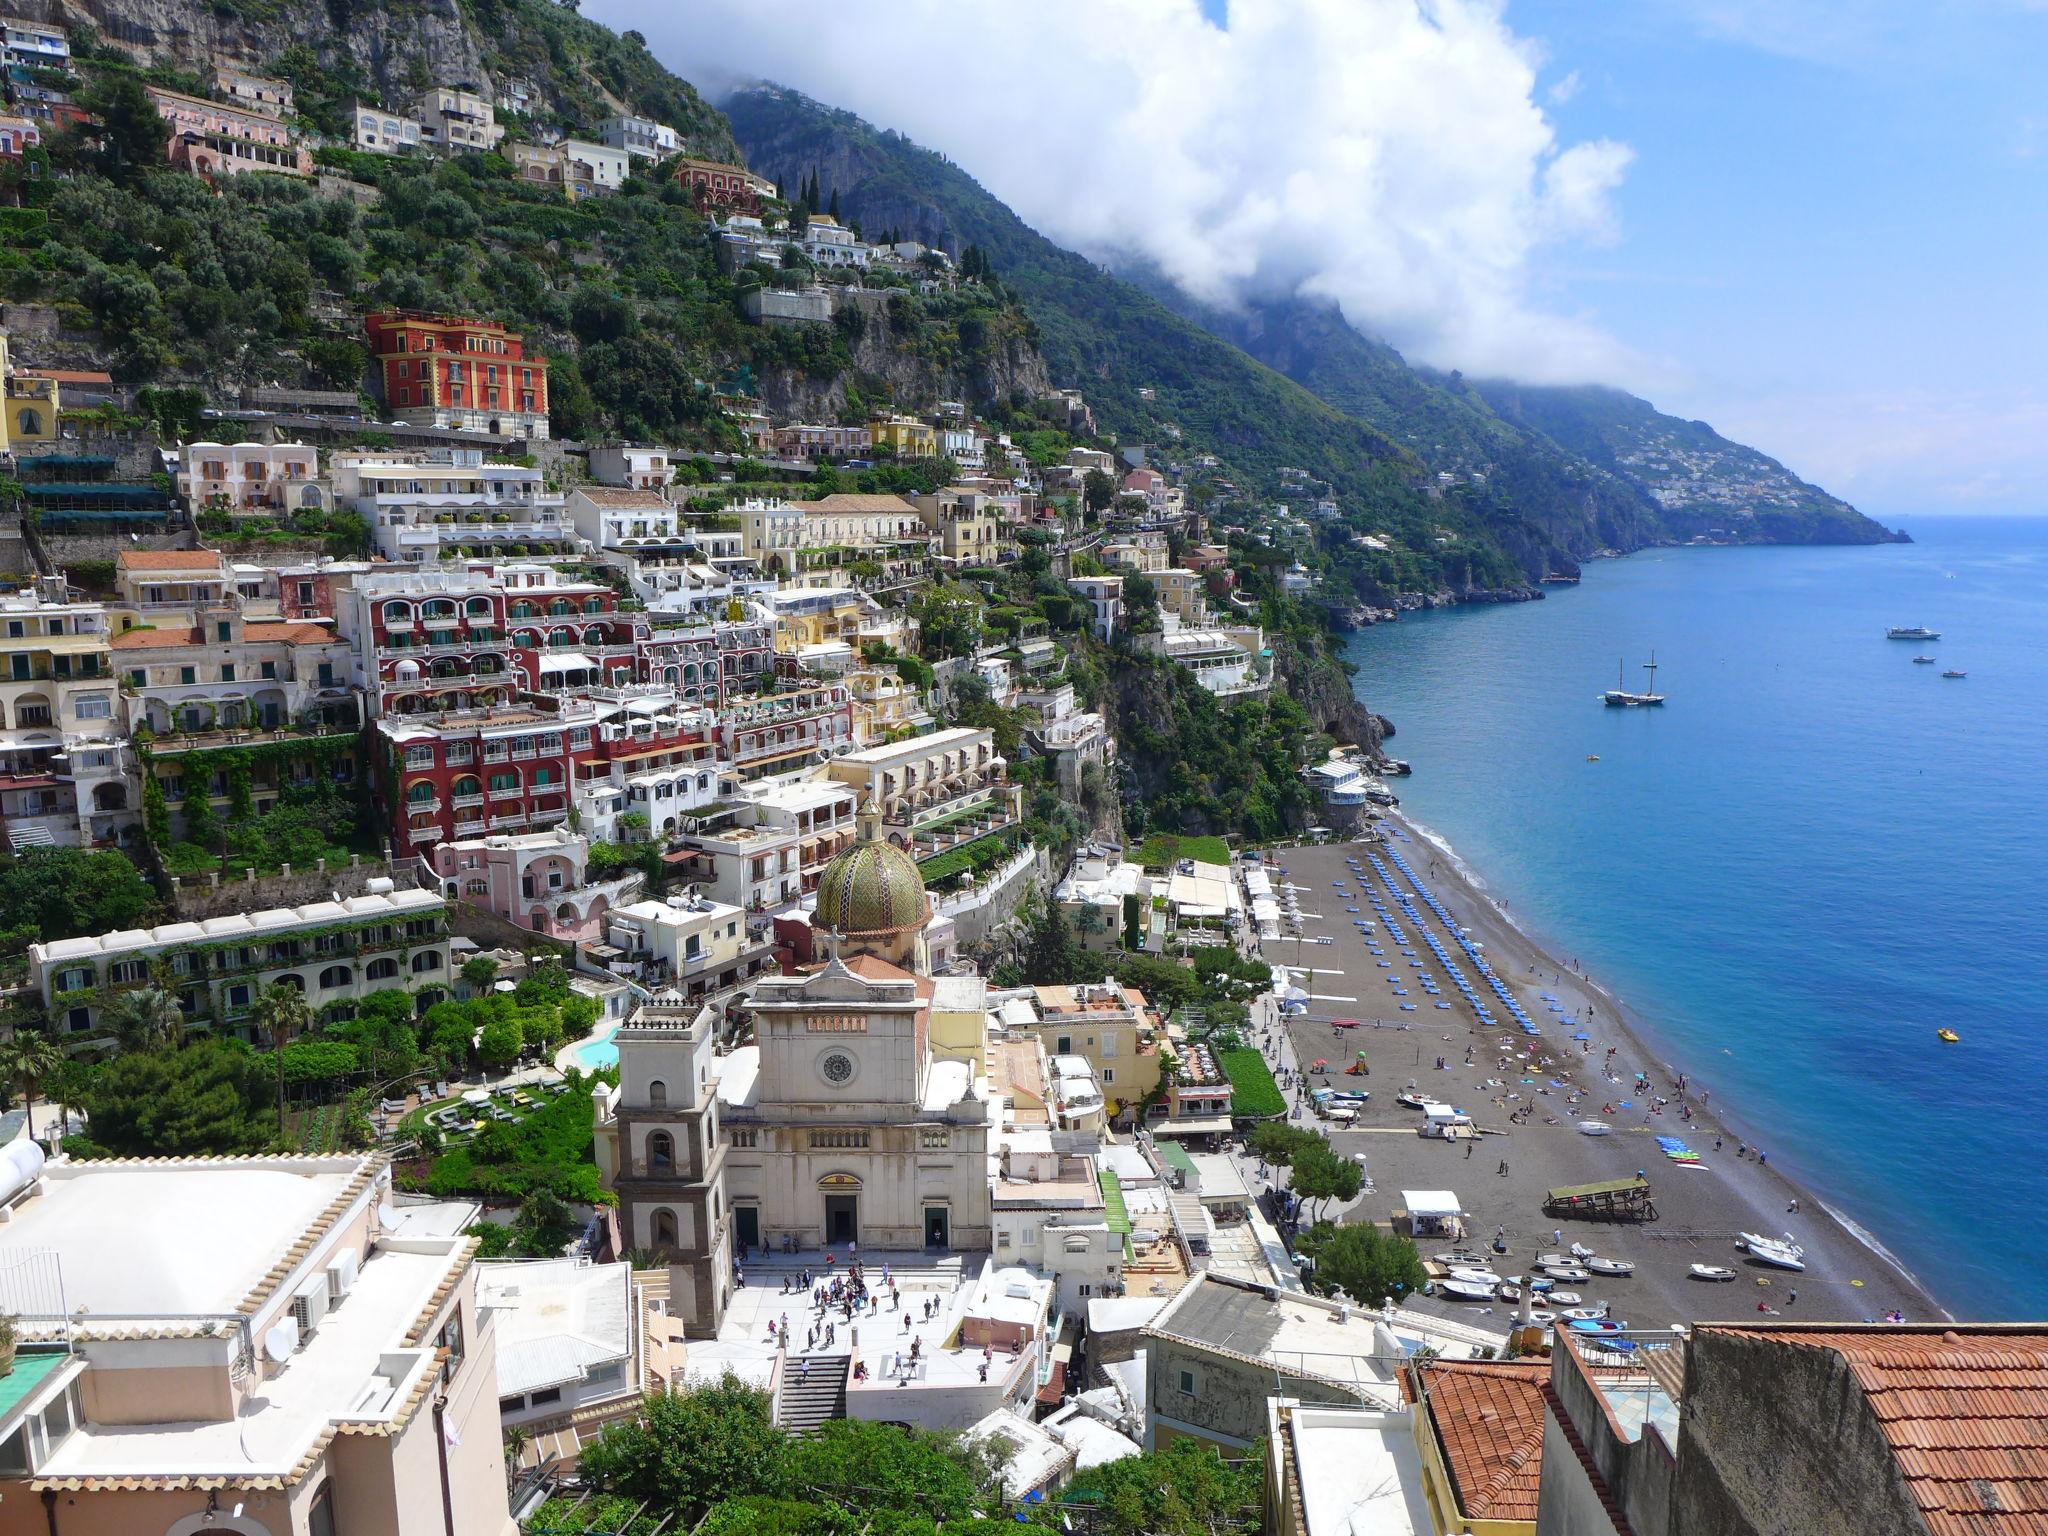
387,1214
280,1341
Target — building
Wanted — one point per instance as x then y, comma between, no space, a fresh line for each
968,524
661,1146
904,436
456,118
1050,1213
333,951
460,776
1230,663
421,503
34,42
1104,596
1478,1427
227,672
641,137
451,371
931,791
787,731
1742,1430
258,93
621,464
241,1345
624,517
1337,1469
687,944
842,1123
30,400
251,477
152,582
539,880
61,752
715,184
1112,1028
18,135
379,131
820,444
209,138
568,1337
595,168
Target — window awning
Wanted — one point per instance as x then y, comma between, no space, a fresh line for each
566,661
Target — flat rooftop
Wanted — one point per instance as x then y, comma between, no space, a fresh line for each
267,924
1359,1470
557,1319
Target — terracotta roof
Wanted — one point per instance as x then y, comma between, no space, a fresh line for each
146,638
1965,1411
623,496
290,633
170,560
857,501
1488,1417
65,375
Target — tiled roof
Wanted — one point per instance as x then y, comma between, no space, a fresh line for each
170,560
622,496
65,375
858,501
1488,1417
1965,1411
290,633
146,637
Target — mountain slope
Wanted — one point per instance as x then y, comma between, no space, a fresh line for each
1115,342
1704,484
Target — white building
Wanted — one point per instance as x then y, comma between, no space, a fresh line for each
623,517
1230,663
568,1338
644,469
607,168
419,503
1051,1215
251,477
1105,598
539,880
456,118
688,942
379,132
641,137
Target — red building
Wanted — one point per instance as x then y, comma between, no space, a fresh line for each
448,371
714,184
494,770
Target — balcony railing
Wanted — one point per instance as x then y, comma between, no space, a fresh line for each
460,802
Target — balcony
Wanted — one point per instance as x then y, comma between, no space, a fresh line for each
432,805
506,823
463,802
515,792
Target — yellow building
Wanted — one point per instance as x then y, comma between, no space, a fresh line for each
1113,1029
1479,1434
968,523
33,399
908,437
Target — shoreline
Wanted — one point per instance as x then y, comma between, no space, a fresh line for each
1457,878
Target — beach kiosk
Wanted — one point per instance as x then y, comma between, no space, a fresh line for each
1444,1122
1609,1200
1432,1213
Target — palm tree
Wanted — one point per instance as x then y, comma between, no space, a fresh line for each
147,1019
281,1014
25,1061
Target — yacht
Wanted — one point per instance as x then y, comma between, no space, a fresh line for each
1955,672
1911,632
1923,661
1618,697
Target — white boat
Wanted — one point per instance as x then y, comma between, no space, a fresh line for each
1566,1298
1464,1257
1484,1277
1507,1291
1711,1272
1570,1272
1955,672
1542,1315
1749,1240
1585,1314
1581,1252
1911,632
1777,1255
1465,1290
1601,1266
1545,1260
1595,1128
1923,661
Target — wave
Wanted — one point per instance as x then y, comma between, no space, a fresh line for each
1869,1240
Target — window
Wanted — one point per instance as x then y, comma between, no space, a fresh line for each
547,1395
835,1140
661,1153
1109,1074
1188,1382
188,675
428,960
320,1514
933,1138
450,1339
382,970
270,669
747,1138
227,671
94,706
657,1094
504,781
224,631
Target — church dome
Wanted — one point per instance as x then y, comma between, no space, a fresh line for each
872,887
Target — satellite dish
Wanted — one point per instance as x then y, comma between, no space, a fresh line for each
279,1343
387,1215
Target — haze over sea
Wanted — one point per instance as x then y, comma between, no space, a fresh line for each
1812,858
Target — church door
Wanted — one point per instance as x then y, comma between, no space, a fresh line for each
842,1218
748,1220
937,1227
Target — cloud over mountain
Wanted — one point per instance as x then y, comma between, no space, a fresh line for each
1389,155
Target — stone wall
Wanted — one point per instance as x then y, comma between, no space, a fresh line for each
980,912
196,897
468,920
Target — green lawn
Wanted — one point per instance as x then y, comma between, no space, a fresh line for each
1252,1089
1161,849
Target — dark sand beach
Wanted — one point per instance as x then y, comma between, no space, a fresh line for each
1519,1092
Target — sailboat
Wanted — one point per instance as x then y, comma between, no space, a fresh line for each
1618,697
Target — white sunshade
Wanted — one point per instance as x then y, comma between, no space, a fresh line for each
1431,1202
566,661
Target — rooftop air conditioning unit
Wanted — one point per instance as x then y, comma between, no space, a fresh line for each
310,1305
341,1277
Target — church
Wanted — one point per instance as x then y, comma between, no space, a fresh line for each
840,1124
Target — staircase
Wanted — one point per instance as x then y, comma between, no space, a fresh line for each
803,1403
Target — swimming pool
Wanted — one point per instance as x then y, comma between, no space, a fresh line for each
599,1051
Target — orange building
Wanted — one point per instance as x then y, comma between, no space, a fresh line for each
450,371
714,184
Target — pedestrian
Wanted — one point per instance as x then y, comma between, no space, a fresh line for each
1793,1208
1762,1156
906,1322
1468,1150
1790,1297
804,1369
1717,1143
1503,1167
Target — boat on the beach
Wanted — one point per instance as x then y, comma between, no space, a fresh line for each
1581,1252
1595,1128
1711,1272
1507,1290
1545,1260
1462,1257
1619,697
1478,1275
1612,1267
1410,1099
1465,1290
1584,1314
1777,1255
1923,661
1751,1240
1911,632
1566,1298
1542,1315
1570,1272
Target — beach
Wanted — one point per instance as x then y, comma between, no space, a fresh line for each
1526,1096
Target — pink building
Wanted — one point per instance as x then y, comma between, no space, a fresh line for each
209,138
538,880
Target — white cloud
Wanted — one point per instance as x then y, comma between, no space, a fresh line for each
1564,89
1389,155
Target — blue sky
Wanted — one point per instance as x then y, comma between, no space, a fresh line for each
1820,227
1834,229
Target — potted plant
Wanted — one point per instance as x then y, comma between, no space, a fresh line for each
9,1338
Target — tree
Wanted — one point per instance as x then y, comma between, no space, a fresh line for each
282,1015
1319,1174
1182,1489
132,133
1098,490
146,1019
1363,1262
500,1042
688,1450
68,892
480,972
206,1099
864,1465
950,620
1051,958
1277,1142
25,1061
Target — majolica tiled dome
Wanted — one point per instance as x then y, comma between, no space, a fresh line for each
871,888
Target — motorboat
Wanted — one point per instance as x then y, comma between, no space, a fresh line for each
1595,1128
1410,1099
1542,1315
1585,1314
1777,1255
1566,1298
1507,1291
1911,632
1711,1272
1485,1277
1955,672
1610,1267
1462,1258
1465,1290
1923,661
1567,1272
1581,1252
1750,1240
1545,1260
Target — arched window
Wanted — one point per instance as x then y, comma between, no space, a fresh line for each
337,976
478,607
657,1094
593,605
468,784
420,791
426,960
293,980
381,970
479,887
522,609
565,913
30,422
559,607
540,921
398,613
664,1229
661,1152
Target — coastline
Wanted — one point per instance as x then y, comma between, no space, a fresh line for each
1460,885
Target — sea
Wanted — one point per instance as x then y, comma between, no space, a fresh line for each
1814,856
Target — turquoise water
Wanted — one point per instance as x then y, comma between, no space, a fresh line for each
599,1051
1812,858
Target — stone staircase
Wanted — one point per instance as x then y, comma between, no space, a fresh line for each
808,1399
